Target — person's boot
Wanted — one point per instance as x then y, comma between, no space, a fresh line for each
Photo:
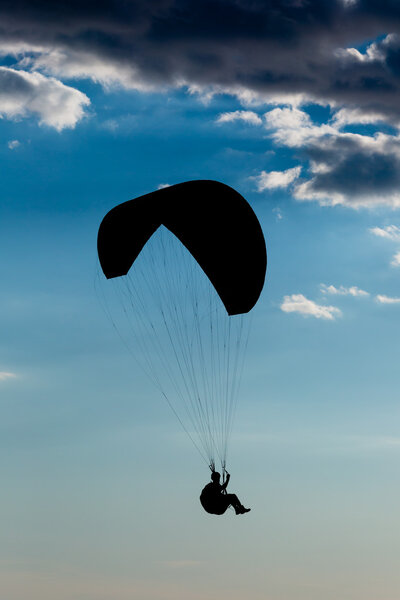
241,510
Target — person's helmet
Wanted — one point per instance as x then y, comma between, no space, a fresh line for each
215,476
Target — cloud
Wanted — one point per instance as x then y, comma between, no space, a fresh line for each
300,304
4,375
395,262
278,213
354,170
357,292
344,168
294,128
247,116
276,179
352,116
343,291
13,144
256,49
161,186
23,93
381,299
80,64
390,232
284,55
110,125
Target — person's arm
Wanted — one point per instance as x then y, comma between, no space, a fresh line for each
224,485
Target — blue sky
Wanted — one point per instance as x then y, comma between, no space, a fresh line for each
100,484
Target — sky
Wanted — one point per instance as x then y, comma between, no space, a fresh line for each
295,104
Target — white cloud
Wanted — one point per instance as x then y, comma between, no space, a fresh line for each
18,48
12,144
6,375
305,191
345,168
353,116
390,232
278,213
343,291
276,179
293,127
382,299
247,116
246,96
78,64
395,262
23,93
161,186
110,125
300,304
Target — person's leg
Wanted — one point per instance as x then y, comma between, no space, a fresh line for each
235,502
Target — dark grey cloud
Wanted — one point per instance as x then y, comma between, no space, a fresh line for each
339,166
257,49
268,47
354,171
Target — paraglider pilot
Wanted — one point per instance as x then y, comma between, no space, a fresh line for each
215,500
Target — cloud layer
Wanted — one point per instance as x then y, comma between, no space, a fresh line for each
282,54
269,48
352,169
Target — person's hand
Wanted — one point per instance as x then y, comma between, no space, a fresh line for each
227,474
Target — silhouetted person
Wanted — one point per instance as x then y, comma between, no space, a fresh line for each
215,500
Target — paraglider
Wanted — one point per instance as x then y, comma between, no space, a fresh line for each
187,263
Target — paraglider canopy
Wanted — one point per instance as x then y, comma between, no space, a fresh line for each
213,221
199,257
